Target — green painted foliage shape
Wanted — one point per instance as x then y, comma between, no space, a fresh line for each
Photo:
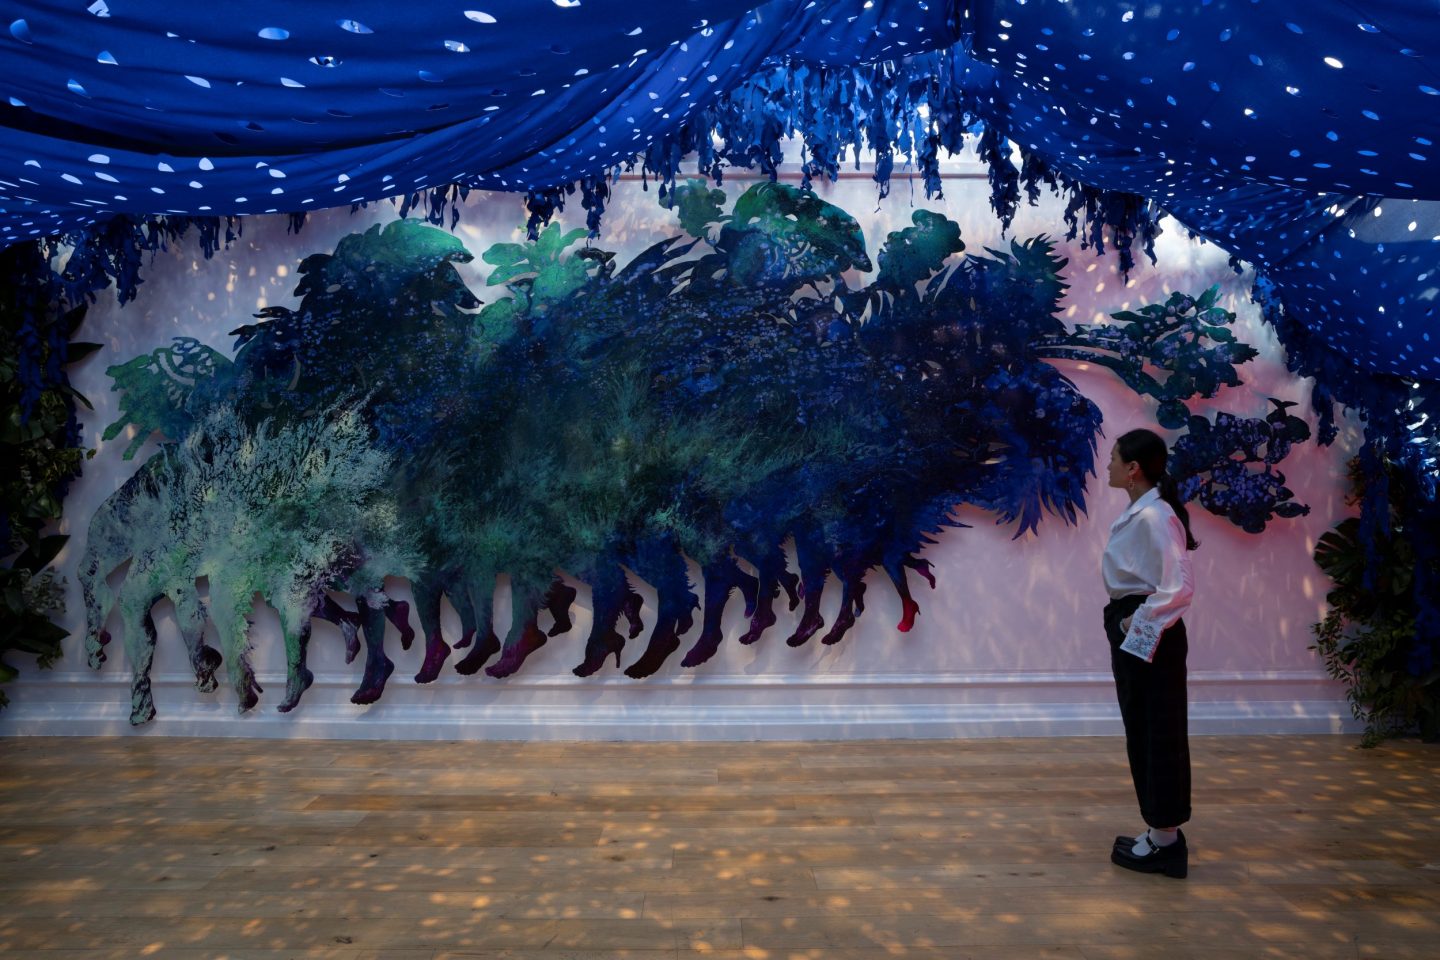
278,509
164,390
1185,340
698,207
917,253
396,284
541,262
778,234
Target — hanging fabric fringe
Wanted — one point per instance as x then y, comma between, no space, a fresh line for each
1400,457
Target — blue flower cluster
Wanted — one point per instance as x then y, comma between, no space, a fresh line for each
1216,464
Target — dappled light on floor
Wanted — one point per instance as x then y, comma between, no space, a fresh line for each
995,849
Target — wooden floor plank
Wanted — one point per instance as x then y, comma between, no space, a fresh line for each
262,850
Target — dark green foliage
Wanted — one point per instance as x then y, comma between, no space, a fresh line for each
916,253
780,236
161,391
1180,350
696,206
1170,338
31,596
378,285
1369,638
40,448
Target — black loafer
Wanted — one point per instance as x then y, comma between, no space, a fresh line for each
1173,861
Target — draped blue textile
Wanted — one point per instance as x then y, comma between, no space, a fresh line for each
283,107
1298,137
1259,125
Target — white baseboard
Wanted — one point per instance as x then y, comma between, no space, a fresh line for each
685,707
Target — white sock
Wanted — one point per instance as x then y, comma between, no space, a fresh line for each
1154,839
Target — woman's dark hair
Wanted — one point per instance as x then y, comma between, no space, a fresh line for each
1147,449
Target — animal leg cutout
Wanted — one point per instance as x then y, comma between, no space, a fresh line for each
525,635
478,607
191,617
721,579
398,613
349,623
298,677
428,592
558,602
813,567
139,639
378,666
608,596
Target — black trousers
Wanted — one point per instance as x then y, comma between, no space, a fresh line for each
1153,706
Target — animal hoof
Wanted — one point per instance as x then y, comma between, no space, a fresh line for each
142,704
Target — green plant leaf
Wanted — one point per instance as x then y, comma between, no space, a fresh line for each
505,254
1338,552
39,556
698,206
78,351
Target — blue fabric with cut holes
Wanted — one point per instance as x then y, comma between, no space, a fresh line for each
1299,137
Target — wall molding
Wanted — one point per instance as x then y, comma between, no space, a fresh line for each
683,707
979,678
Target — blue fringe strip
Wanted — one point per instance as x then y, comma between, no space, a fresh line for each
1402,447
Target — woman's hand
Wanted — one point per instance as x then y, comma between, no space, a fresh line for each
1125,624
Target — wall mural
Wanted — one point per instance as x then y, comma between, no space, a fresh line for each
724,394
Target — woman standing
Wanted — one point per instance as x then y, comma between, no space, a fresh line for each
1148,577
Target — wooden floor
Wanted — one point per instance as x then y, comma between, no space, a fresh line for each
143,847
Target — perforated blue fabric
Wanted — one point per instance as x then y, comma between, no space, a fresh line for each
277,107
1259,125
1299,137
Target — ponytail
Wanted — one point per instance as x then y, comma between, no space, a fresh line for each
1145,448
1170,493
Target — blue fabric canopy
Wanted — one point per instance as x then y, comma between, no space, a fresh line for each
1301,139
147,107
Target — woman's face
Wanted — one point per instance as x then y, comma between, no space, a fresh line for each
1120,471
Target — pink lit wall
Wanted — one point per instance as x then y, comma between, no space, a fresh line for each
1009,644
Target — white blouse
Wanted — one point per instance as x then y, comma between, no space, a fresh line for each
1146,555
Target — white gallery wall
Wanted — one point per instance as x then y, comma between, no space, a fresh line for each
1010,644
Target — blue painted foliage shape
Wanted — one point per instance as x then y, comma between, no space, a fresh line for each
721,395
